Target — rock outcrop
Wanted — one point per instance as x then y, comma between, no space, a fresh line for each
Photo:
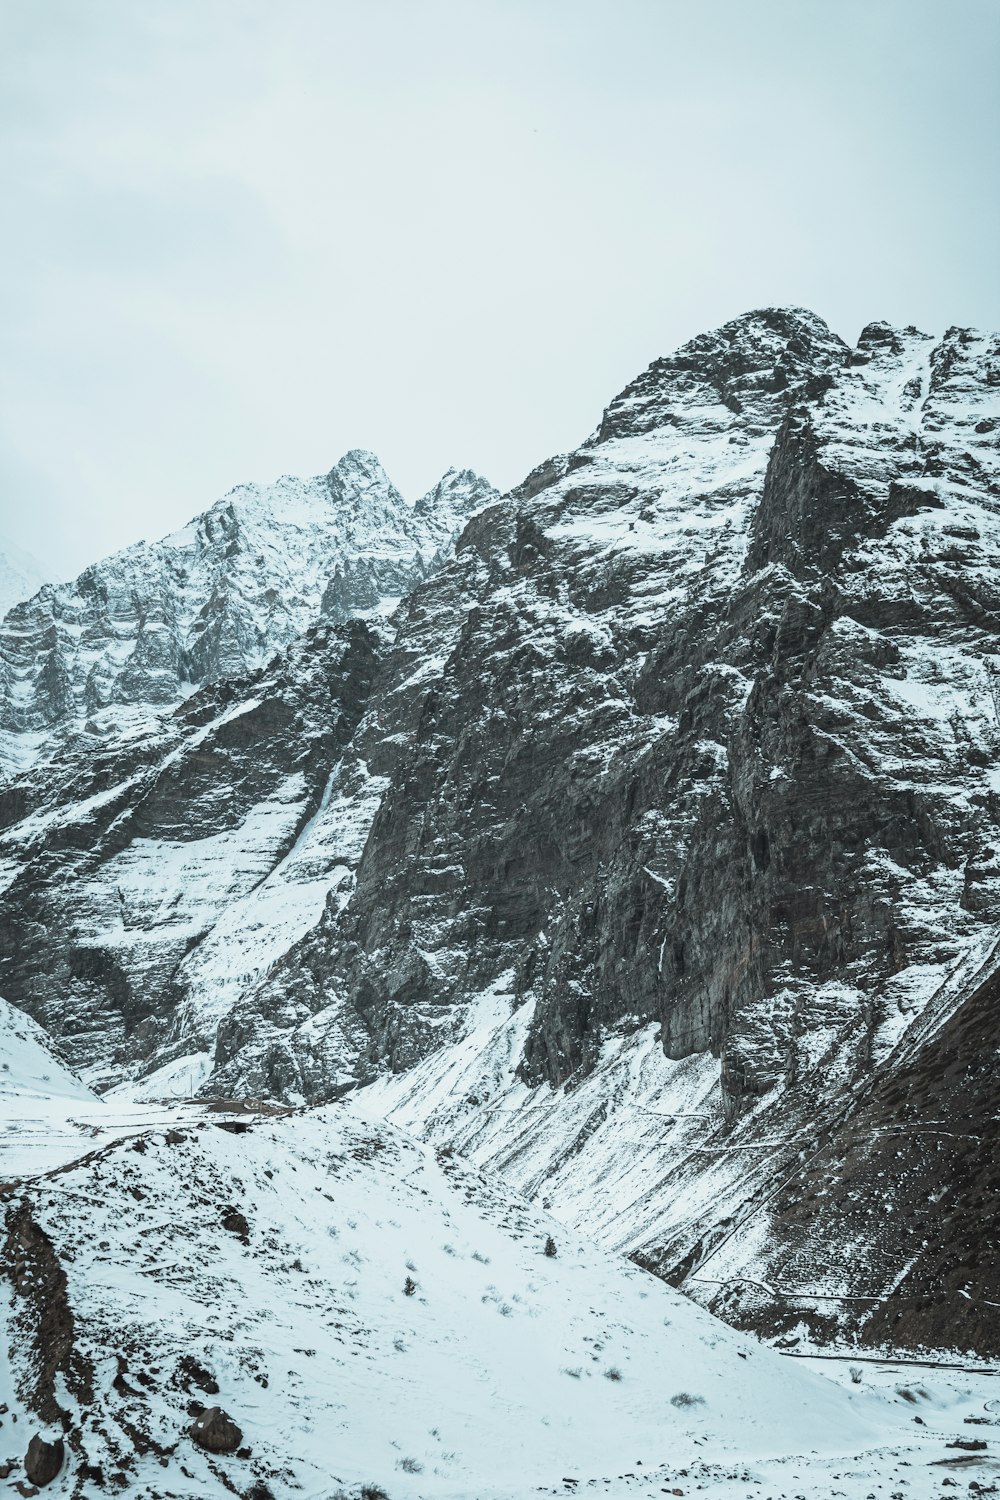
712,731
215,1431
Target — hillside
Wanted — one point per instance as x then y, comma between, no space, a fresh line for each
367,1312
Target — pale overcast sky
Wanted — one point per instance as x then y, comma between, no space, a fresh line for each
240,238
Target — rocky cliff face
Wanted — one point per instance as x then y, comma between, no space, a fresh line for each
707,721
145,628
673,794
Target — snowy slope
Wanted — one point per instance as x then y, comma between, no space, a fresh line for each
380,1318
266,1272
30,1067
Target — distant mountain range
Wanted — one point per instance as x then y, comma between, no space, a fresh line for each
145,627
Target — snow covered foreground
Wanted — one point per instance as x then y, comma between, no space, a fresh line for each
373,1314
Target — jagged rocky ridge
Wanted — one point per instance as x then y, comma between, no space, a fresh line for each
144,628
659,818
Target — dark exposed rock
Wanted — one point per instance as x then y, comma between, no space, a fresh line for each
656,821
215,1431
43,1460
236,1223
193,1373
42,1313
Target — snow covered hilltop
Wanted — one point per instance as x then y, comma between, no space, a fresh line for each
648,853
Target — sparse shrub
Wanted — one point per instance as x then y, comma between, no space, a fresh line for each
855,1373
409,1287
483,1260
411,1466
373,1492
613,1373
684,1398
550,1246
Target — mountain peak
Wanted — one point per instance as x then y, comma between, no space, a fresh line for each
359,461
754,365
460,491
358,475
358,458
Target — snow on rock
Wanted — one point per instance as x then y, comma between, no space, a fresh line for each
732,614
191,857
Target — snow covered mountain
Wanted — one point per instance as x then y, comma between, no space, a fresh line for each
143,628
648,855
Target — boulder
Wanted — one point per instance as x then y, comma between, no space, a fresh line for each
43,1460
215,1431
